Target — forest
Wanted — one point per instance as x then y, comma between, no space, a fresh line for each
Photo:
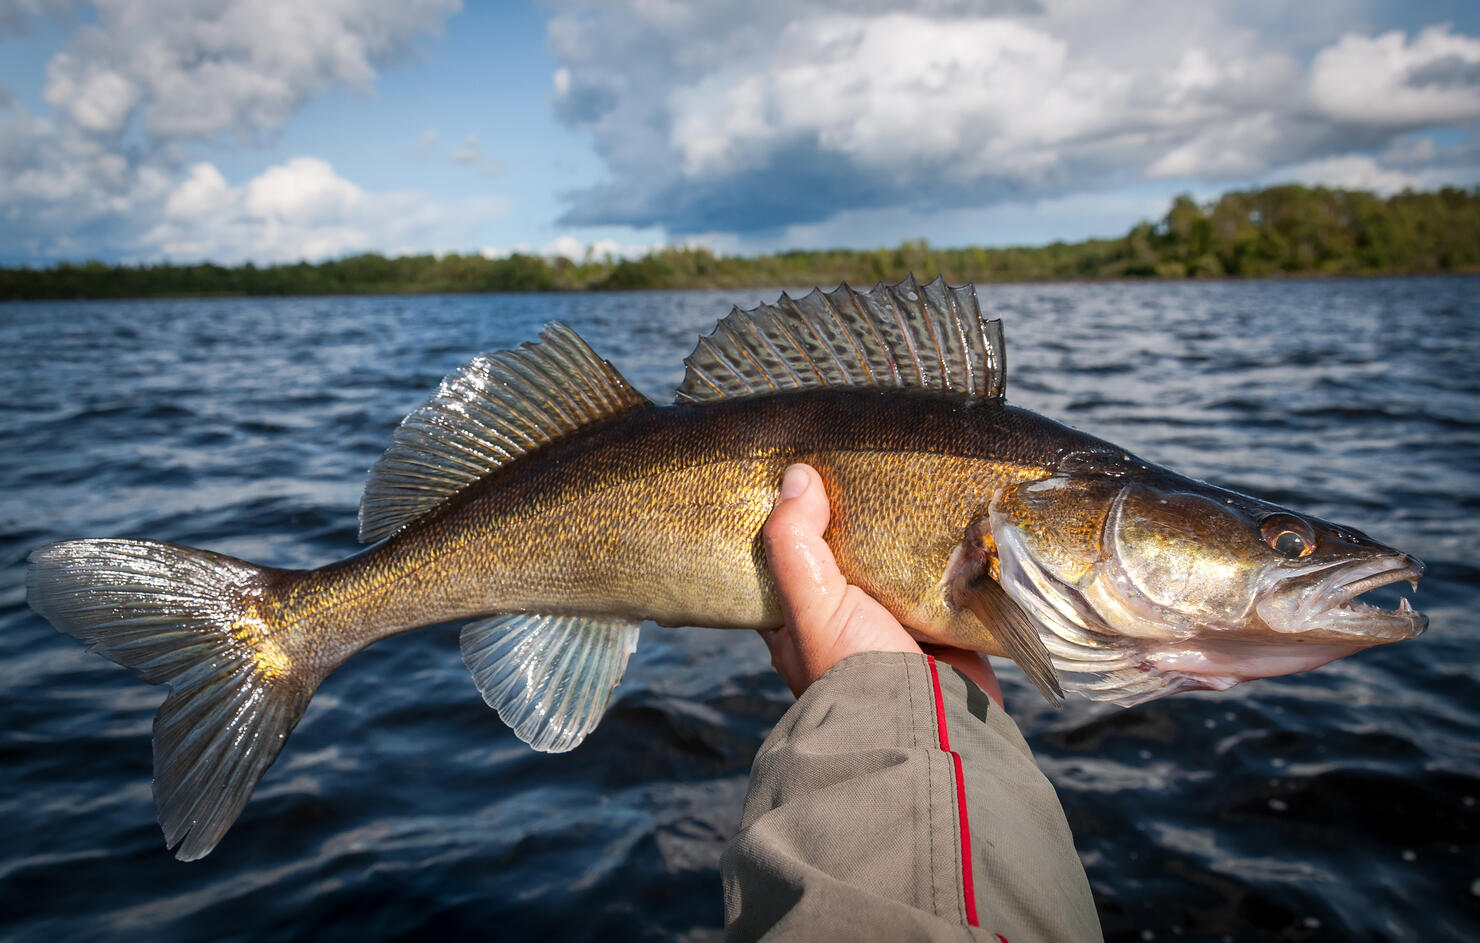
1276,231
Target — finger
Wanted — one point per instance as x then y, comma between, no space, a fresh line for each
807,578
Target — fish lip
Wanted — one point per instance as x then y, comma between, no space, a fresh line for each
1356,579
1323,610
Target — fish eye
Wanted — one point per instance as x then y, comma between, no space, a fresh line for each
1288,536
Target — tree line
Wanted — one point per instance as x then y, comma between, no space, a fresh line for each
1284,230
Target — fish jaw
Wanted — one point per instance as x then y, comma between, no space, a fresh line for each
1324,606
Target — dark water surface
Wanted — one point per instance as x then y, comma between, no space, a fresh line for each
1338,805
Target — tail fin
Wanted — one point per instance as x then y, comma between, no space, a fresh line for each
194,620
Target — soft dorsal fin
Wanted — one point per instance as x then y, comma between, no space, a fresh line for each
928,337
485,414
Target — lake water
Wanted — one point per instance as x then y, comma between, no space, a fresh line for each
1337,805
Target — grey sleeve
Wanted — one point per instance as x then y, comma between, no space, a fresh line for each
895,801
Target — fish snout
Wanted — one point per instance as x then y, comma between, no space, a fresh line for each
1331,607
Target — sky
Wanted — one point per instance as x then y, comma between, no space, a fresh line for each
279,130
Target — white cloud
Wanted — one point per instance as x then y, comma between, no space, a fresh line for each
303,191
467,151
199,67
1012,223
1239,148
99,100
503,252
53,184
132,90
756,116
1388,81
1351,172
985,93
569,247
16,15
301,209
204,193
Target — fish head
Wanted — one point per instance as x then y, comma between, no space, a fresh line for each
1144,582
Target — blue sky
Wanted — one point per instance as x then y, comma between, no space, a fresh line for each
272,130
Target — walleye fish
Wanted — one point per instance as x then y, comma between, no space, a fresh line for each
540,496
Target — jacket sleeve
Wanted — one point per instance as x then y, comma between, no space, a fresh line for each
896,801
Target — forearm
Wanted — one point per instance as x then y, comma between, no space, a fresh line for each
894,800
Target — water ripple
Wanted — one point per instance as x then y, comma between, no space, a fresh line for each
1332,806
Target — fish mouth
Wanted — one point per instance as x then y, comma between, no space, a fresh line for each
1387,573
1325,607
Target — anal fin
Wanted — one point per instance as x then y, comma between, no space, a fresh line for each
549,677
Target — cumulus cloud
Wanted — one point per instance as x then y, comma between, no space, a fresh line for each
16,16
1390,81
1353,172
569,247
135,87
757,116
56,183
301,209
196,68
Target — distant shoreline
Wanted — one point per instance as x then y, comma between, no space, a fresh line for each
1278,232
1468,272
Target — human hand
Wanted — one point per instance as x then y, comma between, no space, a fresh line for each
828,618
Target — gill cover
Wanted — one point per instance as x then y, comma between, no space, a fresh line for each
1050,539
1191,561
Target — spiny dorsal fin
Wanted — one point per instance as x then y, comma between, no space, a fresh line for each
487,413
930,337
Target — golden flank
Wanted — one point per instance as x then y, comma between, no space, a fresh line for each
541,497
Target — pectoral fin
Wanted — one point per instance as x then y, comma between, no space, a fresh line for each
1014,628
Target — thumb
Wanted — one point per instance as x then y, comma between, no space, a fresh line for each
826,619
807,577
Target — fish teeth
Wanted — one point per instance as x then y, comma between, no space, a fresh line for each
1403,605
1414,584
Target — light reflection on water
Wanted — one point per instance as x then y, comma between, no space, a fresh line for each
403,806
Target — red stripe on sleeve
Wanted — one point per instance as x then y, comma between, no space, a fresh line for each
968,890
940,706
